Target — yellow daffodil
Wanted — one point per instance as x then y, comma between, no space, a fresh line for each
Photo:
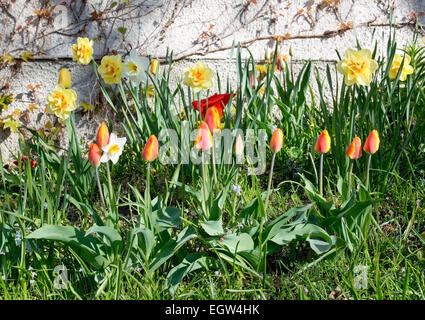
357,67
111,69
82,51
61,102
395,67
198,76
11,123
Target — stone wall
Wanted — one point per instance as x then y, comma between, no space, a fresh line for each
36,37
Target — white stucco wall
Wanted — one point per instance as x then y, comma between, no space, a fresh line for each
193,29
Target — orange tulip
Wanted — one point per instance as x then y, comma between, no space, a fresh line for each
276,142
372,142
203,139
354,151
323,143
239,145
102,138
212,118
150,152
94,155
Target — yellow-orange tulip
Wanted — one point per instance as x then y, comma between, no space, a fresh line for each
203,139
102,138
150,152
354,151
276,142
212,118
323,143
372,142
94,155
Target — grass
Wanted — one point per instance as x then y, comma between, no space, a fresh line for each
393,256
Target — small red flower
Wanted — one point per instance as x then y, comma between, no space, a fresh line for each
217,100
23,160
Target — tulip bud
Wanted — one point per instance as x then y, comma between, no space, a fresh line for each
268,54
203,139
154,66
239,146
354,151
65,78
276,142
150,152
102,138
94,155
372,142
323,143
212,118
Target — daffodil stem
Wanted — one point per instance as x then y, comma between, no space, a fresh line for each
269,185
204,185
99,185
349,177
321,175
367,171
213,164
111,190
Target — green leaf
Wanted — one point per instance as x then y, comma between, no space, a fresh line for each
236,243
166,218
89,247
169,248
212,227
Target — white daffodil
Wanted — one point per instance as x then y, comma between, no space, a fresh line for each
113,150
135,67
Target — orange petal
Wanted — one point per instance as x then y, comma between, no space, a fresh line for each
276,142
150,152
372,142
94,155
354,151
203,139
323,143
102,138
212,118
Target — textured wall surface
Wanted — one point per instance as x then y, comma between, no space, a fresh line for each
193,29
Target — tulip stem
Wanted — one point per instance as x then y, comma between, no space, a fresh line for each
269,183
204,185
349,177
148,195
100,189
213,164
367,171
321,175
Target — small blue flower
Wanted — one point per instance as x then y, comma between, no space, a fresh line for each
237,189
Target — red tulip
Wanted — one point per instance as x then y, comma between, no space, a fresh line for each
23,160
94,155
323,143
102,138
372,142
354,151
276,142
217,100
203,139
150,152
